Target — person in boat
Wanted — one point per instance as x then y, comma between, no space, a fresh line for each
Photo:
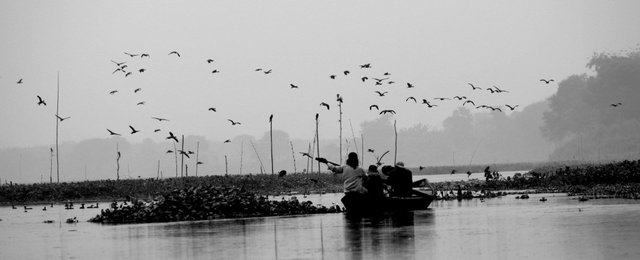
354,176
401,181
487,174
374,183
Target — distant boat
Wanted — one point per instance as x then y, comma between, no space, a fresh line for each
420,199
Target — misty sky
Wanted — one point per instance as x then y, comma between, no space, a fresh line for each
437,46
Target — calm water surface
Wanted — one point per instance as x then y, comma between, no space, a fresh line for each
502,228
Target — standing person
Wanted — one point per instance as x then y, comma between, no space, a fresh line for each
354,176
401,181
487,174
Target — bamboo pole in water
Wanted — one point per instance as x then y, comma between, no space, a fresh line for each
182,158
340,123
57,123
117,162
226,168
241,154
158,172
318,141
271,140
175,153
293,155
395,146
257,155
197,153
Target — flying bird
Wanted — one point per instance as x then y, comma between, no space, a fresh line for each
339,98
215,71
133,130
267,71
174,52
460,97
371,150
233,122
62,118
325,104
411,98
441,98
306,154
184,153
227,141
41,101
144,55
386,74
293,86
409,85
127,74
372,106
160,119
387,111
332,76
470,102
209,60
137,90
346,72
171,136
169,151
141,103
142,70
364,79
112,132
157,130
512,107
546,81
499,90
212,109
365,66
616,104
119,64
474,87
19,81
381,93
199,163
131,55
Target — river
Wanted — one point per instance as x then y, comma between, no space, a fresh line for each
502,228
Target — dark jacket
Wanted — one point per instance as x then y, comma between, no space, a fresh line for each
401,182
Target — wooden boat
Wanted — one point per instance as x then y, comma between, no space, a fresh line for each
420,199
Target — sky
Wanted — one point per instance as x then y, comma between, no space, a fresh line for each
437,46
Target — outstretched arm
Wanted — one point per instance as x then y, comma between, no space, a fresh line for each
335,169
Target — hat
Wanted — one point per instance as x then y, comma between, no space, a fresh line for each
373,168
401,164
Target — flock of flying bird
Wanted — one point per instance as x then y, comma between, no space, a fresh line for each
385,79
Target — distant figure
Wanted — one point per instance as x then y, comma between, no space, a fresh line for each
487,174
282,173
468,174
401,181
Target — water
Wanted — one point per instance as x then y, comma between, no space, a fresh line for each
502,228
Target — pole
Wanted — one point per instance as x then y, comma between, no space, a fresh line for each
308,159
197,153
182,159
241,154
362,148
318,141
226,168
57,123
175,153
293,155
257,155
340,122
117,162
51,167
271,140
395,146
158,173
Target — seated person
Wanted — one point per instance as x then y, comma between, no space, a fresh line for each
401,181
374,182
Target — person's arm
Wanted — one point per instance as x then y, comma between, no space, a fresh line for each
335,169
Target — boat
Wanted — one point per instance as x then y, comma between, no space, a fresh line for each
420,199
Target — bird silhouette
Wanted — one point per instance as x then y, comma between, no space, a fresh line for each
500,90
332,76
233,122
372,106
474,87
387,111
491,90
227,141
409,85
212,109
411,98
371,150
131,55
127,74
19,81
62,118
495,108
142,70
160,119
325,104
391,82
346,72
364,79
215,71
119,64
386,74
460,97
112,132
171,136
199,163
169,151
365,66
145,55
141,103
190,152
133,130
209,60
293,86
267,71
546,81
157,130
339,98
420,168
41,101
184,153
616,104
380,80
306,154
258,69
118,69
381,93
441,98
137,90
512,107
468,101
174,52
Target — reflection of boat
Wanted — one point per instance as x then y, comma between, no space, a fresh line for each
421,197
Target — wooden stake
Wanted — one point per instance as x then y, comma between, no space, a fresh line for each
175,153
257,155
117,162
158,173
197,153
271,140
241,154
395,147
226,167
182,158
293,155
57,122
318,141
